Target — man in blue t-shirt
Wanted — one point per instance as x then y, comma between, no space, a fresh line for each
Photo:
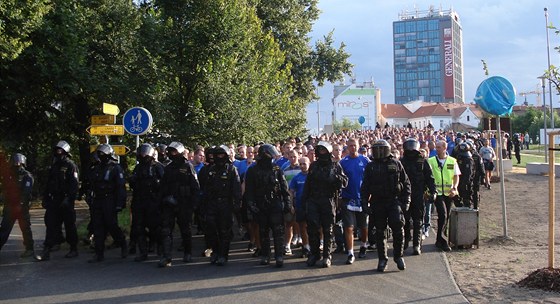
296,190
351,208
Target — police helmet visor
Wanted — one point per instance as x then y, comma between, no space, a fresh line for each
18,160
146,150
411,145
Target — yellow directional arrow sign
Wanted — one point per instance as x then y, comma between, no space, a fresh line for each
103,119
106,130
110,109
119,149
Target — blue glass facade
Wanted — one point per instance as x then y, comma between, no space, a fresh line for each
427,54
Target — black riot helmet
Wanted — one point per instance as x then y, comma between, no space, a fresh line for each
63,145
267,152
323,151
161,152
19,159
381,149
411,144
221,155
145,153
175,147
105,153
61,150
464,150
209,154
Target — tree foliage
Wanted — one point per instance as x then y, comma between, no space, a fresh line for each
18,19
210,71
346,124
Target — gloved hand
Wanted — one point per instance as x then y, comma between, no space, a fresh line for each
367,209
65,202
405,205
252,207
236,207
288,208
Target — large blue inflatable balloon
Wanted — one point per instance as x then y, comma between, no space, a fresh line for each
495,95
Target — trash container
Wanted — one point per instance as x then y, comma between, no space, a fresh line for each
463,227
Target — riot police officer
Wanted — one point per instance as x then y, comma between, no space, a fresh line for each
324,180
421,179
267,197
58,200
180,195
478,177
222,189
162,155
386,193
18,184
145,183
109,198
466,165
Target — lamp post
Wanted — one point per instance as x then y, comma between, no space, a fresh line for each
549,82
542,78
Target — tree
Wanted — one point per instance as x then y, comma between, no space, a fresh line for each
345,124
80,57
17,20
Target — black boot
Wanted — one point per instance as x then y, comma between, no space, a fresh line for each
381,265
44,256
312,260
124,249
164,262
400,263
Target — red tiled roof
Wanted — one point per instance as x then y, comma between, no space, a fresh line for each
431,110
395,111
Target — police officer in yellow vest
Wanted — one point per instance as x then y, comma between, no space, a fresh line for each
446,174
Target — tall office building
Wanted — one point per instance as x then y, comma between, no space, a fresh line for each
428,57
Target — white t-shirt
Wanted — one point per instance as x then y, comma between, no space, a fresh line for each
487,153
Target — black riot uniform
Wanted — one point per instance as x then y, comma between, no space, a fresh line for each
466,165
145,183
267,197
17,187
58,200
200,219
324,180
421,181
385,192
478,177
108,198
180,195
222,189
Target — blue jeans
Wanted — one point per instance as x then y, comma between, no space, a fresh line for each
428,205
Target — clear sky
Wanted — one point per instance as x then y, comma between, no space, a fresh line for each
509,35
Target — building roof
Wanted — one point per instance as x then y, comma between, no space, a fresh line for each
395,111
430,110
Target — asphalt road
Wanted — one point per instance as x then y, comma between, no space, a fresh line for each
427,278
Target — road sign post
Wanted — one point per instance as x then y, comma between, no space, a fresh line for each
137,121
106,130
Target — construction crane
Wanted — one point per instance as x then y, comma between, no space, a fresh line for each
538,102
524,94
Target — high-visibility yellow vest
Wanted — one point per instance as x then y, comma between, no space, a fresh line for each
443,175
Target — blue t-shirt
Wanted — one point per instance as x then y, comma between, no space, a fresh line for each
354,169
198,167
241,166
432,153
296,184
290,172
450,147
281,161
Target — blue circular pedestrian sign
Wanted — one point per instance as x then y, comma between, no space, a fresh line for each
137,121
361,120
496,95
